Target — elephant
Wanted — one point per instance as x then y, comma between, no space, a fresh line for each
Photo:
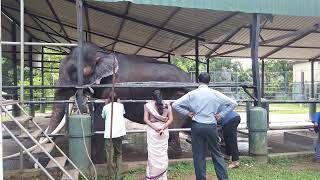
98,66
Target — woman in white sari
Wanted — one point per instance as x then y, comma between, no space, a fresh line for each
158,116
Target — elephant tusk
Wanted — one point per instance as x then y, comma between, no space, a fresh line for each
42,140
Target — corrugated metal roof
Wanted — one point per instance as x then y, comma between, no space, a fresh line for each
140,32
277,7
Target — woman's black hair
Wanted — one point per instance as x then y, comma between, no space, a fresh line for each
156,95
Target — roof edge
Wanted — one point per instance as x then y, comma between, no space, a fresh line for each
275,7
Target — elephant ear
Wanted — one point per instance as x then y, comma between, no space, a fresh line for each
104,68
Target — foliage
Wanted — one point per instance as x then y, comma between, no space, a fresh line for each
50,76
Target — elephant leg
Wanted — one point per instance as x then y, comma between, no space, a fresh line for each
59,108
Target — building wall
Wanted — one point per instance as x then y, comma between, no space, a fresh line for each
306,68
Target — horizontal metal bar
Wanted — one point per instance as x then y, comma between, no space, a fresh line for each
140,85
290,101
39,44
144,130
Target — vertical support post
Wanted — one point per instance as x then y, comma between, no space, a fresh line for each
31,78
169,58
258,134
208,65
43,106
312,106
262,77
197,58
22,51
16,110
1,144
302,84
80,97
286,83
255,31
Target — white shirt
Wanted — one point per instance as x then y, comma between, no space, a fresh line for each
118,123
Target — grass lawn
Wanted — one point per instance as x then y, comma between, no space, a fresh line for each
278,169
289,108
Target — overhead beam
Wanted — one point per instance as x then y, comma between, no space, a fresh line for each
315,27
205,30
121,25
294,33
57,18
304,34
265,45
156,32
73,27
106,11
226,39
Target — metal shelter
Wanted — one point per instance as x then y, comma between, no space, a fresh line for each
287,29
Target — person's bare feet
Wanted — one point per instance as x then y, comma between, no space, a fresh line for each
234,164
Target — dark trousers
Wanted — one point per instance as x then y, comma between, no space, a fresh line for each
114,171
230,138
202,135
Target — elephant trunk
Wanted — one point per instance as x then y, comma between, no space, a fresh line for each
58,108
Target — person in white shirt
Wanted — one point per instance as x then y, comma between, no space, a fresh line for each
118,131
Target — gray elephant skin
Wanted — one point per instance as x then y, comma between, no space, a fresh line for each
130,68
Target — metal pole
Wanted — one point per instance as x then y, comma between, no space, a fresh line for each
312,106
1,145
40,44
208,63
255,31
169,58
43,107
21,51
262,77
80,97
16,110
197,58
31,79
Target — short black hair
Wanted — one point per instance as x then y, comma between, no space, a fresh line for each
115,97
204,78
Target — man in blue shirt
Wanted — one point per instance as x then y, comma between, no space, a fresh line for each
229,130
202,106
316,122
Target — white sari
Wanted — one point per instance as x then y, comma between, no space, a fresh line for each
157,147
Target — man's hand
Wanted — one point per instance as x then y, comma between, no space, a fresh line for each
191,114
218,117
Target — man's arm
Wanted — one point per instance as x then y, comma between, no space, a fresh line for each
229,103
182,105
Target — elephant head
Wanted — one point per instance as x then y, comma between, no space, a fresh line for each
97,64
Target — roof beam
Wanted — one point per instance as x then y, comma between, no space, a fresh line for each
74,27
51,38
315,57
294,33
226,39
162,25
302,35
17,23
106,11
265,45
121,25
204,30
57,18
